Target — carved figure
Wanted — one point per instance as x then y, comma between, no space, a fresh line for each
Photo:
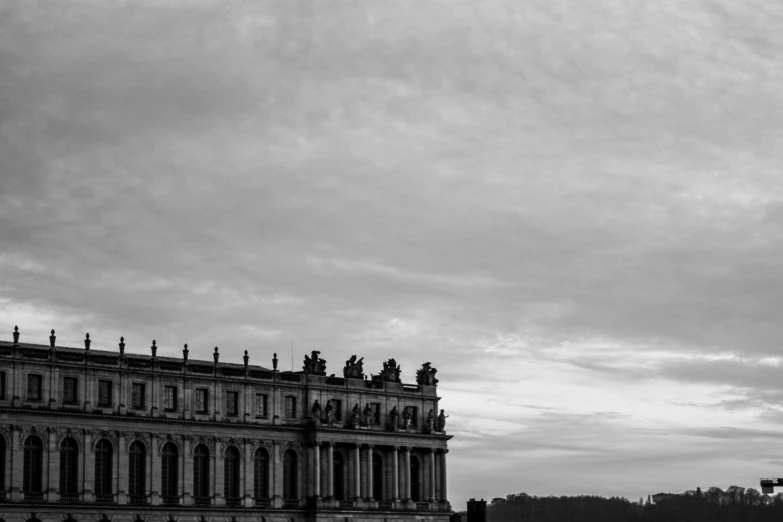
353,368
329,410
369,415
430,422
314,364
442,421
394,416
426,375
390,372
356,415
406,417
316,411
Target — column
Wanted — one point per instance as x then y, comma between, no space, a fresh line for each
431,484
187,471
218,475
369,473
15,465
443,488
330,470
277,476
53,468
250,478
357,479
153,472
121,469
406,472
395,473
363,491
316,480
89,468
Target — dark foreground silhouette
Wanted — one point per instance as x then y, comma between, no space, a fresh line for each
712,505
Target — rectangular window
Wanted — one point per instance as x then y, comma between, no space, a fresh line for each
137,395
202,402
34,391
104,393
170,398
232,403
261,405
70,387
337,404
376,408
2,385
290,407
414,416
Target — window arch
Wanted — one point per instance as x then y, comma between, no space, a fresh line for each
103,464
377,477
231,476
169,465
31,474
137,473
201,475
290,479
261,474
69,470
415,480
338,477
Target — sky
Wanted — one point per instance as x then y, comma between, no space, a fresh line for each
572,209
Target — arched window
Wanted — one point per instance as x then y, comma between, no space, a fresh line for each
103,463
169,460
201,475
290,482
2,463
231,476
338,479
261,475
415,482
377,477
137,473
31,474
69,470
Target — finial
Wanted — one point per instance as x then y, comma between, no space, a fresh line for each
216,355
122,345
52,338
246,358
185,353
154,348
274,362
87,342
16,335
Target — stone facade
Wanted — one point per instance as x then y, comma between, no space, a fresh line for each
92,435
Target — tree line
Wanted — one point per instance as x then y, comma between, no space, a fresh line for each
714,505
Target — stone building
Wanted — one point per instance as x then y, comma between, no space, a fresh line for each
93,435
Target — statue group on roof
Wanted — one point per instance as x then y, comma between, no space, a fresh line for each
314,364
426,375
353,368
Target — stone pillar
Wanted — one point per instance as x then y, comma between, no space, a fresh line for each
89,468
316,479
395,474
443,488
187,471
357,479
121,469
330,470
53,468
406,472
154,472
363,467
431,481
219,467
250,478
15,464
276,476
369,473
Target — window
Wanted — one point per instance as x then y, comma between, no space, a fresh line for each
377,477
201,474
232,403
70,386
104,393
337,404
202,395
290,407
170,398
261,405
338,477
2,385
2,463
34,392
31,473
168,473
231,475
415,482
376,408
261,474
69,470
137,473
290,490
137,395
103,464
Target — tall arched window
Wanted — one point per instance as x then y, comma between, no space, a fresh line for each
290,482
338,479
231,476
169,460
261,475
69,470
201,475
377,477
415,482
2,463
103,464
31,474
137,473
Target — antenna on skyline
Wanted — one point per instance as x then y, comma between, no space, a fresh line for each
292,355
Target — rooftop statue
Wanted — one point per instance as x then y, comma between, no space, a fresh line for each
394,416
356,415
316,411
369,415
329,410
353,368
430,422
407,413
426,375
390,372
314,364
441,421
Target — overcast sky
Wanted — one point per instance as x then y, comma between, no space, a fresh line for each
572,209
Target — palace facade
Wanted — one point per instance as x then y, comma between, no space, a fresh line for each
95,435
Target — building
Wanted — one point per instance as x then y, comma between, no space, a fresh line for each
93,435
